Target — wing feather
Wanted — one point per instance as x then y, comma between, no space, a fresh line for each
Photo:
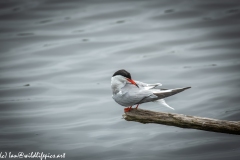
131,95
148,86
166,93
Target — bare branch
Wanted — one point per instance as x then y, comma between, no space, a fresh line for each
183,121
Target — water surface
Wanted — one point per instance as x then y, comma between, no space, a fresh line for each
57,58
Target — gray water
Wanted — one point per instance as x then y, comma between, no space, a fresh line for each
57,58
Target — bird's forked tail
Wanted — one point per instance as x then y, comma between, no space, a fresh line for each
166,93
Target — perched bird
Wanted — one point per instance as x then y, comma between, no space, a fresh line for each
127,92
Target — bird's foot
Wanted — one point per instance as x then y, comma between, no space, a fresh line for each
137,106
127,109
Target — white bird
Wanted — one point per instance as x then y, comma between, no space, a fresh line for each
127,92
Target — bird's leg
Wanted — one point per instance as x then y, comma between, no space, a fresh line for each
127,109
137,106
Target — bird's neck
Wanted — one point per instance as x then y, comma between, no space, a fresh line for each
116,85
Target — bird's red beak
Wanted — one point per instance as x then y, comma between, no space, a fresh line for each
132,81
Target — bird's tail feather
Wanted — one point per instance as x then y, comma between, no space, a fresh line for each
162,102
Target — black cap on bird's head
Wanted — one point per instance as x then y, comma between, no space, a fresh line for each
123,73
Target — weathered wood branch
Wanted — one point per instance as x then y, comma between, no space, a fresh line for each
183,121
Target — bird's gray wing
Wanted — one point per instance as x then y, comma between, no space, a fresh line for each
162,94
132,95
169,92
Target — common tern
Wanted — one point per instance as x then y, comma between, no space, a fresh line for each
127,92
